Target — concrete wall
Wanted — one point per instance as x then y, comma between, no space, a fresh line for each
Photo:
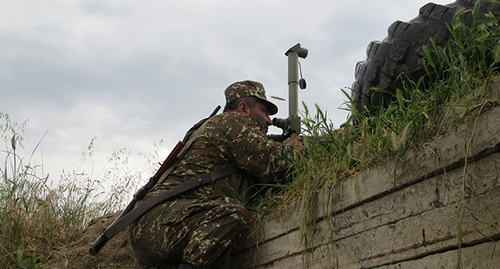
404,213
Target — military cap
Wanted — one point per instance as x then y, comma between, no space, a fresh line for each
249,88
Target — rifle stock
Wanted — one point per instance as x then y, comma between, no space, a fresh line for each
114,228
102,240
165,165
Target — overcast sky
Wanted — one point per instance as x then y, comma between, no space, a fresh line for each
133,73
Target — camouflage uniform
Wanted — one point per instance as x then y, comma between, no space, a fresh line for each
201,226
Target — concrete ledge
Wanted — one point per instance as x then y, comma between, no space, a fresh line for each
403,211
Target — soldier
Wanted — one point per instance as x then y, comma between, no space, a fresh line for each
198,229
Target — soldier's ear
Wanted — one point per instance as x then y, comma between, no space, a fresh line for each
243,108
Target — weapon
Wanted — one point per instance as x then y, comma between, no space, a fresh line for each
122,221
103,238
291,125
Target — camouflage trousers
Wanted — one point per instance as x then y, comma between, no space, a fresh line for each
200,232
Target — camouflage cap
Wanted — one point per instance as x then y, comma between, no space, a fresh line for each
248,88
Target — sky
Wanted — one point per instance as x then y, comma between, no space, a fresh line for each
137,74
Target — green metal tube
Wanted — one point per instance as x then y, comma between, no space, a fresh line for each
293,86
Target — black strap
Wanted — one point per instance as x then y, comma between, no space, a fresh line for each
147,204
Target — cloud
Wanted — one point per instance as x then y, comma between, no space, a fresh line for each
133,73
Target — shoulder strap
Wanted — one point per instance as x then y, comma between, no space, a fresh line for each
172,160
131,213
190,139
124,221
191,135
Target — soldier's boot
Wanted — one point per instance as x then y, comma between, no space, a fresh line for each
186,266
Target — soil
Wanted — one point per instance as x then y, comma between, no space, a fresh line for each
116,254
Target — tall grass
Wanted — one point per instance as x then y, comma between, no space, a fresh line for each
455,88
38,215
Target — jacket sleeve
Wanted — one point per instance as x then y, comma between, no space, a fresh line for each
240,139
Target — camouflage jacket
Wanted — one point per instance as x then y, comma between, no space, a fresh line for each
230,138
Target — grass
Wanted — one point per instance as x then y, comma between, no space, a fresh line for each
454,89
37,215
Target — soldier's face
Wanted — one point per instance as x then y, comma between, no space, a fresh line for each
261,113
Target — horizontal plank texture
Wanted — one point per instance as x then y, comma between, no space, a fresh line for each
437,206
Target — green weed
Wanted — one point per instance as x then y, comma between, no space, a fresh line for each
456,87
37,215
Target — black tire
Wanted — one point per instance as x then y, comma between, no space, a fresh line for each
401,52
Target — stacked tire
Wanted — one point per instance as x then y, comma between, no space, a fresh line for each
379,76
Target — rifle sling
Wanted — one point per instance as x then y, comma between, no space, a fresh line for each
147,204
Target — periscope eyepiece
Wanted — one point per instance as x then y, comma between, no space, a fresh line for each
281,123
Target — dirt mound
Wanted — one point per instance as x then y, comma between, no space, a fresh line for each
116,254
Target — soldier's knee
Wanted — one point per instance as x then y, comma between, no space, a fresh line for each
238,213
242,216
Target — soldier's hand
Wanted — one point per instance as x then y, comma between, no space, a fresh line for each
295,142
